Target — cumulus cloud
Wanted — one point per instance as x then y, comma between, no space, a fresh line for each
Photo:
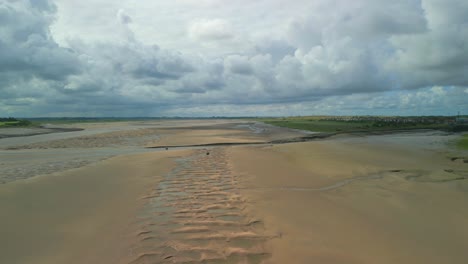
238,64
32,65
123,18
303,57
440,55
27,49
210,29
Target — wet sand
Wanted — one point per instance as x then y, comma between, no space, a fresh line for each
348,202
376,199
197,215
80,216
30,156
86,197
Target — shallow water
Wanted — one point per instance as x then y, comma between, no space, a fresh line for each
14,141
29,156
430,140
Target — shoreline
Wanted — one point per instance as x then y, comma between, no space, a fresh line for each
316,136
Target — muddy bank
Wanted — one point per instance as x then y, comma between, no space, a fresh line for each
26,132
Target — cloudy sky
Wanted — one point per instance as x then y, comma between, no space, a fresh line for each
233,57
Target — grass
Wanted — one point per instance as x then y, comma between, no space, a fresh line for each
317,125
16,123
8,123
462,143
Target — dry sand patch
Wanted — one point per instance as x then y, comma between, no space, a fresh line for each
181,137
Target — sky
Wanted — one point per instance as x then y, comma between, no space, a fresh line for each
101,58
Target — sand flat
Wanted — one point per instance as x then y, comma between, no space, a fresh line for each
79,216
340,200
31,156
402,207
202,136
234,131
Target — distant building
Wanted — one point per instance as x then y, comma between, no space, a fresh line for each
461,120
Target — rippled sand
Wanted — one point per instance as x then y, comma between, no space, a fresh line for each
196,214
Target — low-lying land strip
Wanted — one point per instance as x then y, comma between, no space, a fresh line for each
343,124
13,122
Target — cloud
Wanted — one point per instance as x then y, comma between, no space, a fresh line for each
440,55
238,64
439,100
27,48
210,30
123,18
323,56
276,48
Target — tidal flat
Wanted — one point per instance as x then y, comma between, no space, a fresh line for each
134,192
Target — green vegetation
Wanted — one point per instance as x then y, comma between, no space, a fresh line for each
462,143
318,126
358,124
13,122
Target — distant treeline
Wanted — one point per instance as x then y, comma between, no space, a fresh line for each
8,119
450,123
340,124
13,122
394,119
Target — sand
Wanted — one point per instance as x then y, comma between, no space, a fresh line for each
64,199
402,205
196,215
375,199
80,216
23,157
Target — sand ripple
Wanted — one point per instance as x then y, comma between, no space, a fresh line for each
196,215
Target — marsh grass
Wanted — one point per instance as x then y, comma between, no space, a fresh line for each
462,143
16,123
318,124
